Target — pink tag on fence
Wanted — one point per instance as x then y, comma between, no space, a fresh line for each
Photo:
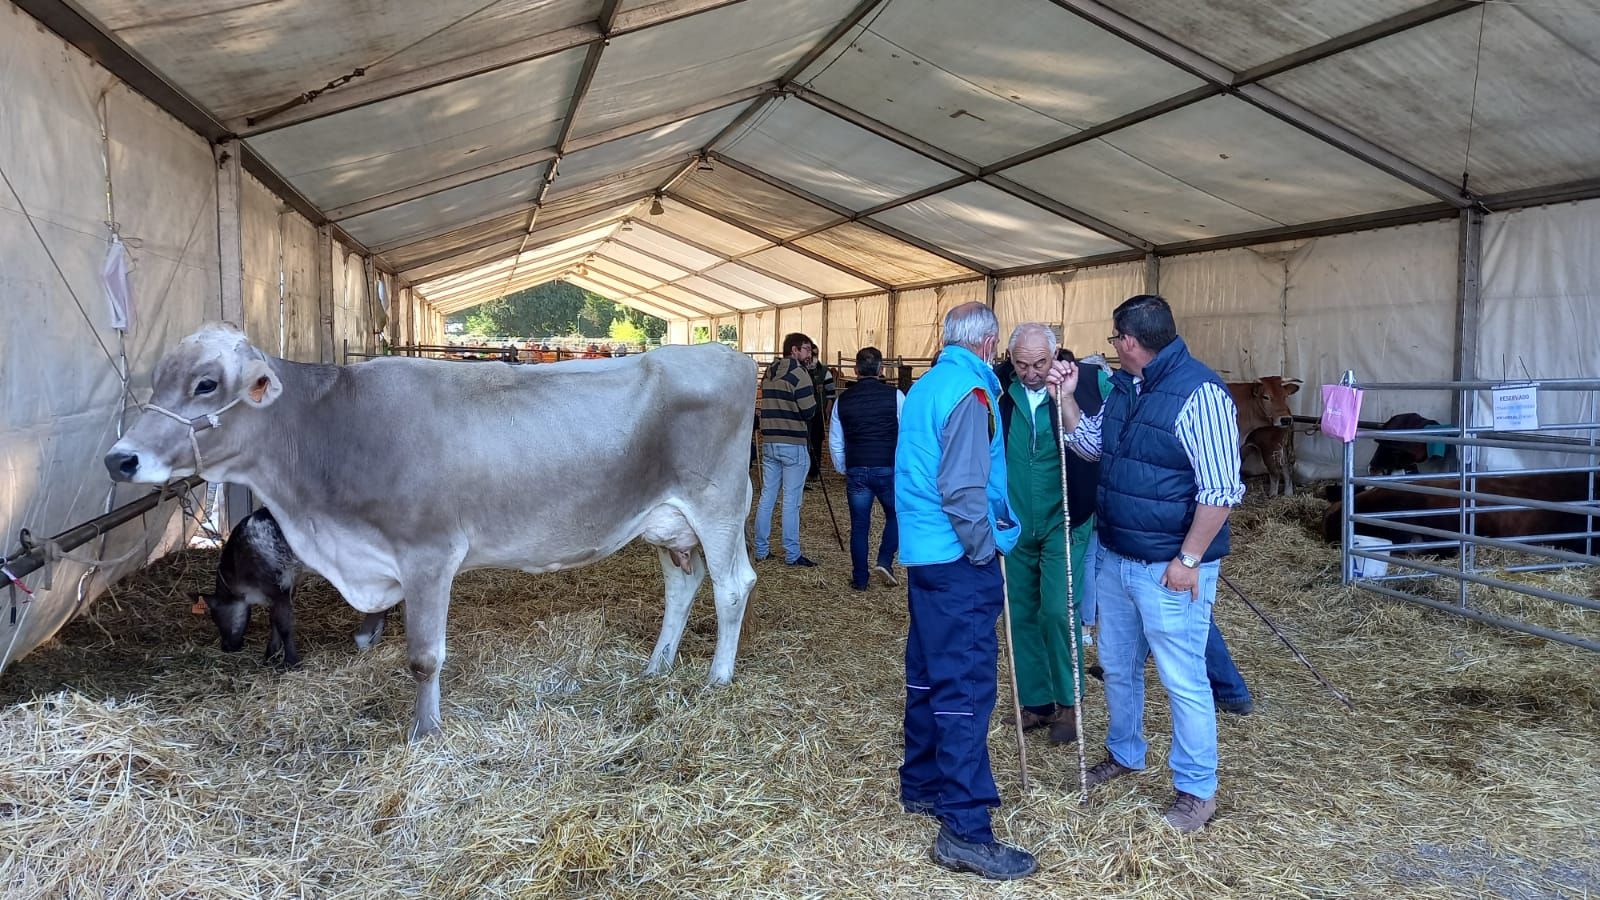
1341,410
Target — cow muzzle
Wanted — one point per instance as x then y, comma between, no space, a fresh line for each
122,465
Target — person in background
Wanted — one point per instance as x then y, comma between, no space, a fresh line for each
788,404
822,382
861,439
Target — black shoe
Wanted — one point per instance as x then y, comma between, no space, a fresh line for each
1096,672
994,860
858,587
1240,708
800,561
810,485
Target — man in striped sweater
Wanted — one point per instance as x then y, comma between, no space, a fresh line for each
788,404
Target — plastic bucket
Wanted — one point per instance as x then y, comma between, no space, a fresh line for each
1369,568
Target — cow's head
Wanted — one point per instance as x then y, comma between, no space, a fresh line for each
1271,393
231,615
211,376
1400,456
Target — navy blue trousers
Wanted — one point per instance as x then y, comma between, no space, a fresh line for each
951,655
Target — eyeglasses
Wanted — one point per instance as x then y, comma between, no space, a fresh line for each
1114,338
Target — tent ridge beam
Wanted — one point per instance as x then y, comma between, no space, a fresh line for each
728,308
783,242
490,240
722,260
846,216
785,81
364,93
540,156
1203,67
970,172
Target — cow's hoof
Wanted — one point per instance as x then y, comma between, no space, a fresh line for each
365,642
421,732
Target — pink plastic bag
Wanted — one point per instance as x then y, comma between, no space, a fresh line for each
1341,410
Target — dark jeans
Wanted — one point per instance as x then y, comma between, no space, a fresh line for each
862,484
1227,685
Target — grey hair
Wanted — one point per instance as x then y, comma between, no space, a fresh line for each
969,324
1031,330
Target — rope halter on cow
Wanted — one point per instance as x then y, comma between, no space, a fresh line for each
196,425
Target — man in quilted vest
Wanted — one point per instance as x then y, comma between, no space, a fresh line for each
1168,444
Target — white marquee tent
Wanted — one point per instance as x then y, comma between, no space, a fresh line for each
1394,186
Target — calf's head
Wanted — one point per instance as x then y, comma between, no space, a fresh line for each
1270,394
231,615
1400,456
212,376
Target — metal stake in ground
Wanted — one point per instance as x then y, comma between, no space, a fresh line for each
1016,699
823,483
1072,605
1287,643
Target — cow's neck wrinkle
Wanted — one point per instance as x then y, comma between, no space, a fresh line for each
279,447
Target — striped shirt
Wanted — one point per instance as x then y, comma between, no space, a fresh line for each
788,400
1208,429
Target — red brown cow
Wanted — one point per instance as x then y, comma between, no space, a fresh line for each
1264,424
1566,487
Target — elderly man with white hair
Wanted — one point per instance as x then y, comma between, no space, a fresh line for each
1044,631
955,521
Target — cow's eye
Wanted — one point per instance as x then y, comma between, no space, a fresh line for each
205,386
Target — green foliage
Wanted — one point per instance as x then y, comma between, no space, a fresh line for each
627,332
555,308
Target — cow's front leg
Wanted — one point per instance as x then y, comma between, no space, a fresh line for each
427,607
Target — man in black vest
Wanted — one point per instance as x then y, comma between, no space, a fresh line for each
1168,444
861,439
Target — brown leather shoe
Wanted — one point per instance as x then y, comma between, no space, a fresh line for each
1105,770
1032,720
1189,813
1063,727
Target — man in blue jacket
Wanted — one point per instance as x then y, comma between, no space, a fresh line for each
955,520
1168,444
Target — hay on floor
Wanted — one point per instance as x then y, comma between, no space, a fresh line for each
140,761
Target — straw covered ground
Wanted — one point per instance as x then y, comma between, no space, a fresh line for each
140,761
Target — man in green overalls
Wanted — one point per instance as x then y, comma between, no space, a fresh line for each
1036,568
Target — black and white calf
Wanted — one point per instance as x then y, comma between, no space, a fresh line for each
258,568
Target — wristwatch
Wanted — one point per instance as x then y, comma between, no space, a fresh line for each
1188,562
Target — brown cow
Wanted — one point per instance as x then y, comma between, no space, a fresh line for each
1568,487
1264,426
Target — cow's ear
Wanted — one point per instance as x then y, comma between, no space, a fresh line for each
261,384
1291,387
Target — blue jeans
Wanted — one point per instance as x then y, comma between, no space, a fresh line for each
781,465
1139,618
862,484
951,651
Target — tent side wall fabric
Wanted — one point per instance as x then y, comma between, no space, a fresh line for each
61,393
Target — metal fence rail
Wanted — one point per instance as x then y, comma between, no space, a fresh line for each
1405,573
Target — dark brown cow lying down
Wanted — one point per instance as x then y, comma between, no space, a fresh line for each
1506,525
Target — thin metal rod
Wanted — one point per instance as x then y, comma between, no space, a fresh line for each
1288,643
1486,581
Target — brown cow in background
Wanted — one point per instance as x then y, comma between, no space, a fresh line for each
1567,487
1264,426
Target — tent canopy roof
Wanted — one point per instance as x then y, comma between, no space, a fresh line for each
809,148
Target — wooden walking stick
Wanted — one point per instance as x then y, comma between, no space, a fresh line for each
1072,605
1016,699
